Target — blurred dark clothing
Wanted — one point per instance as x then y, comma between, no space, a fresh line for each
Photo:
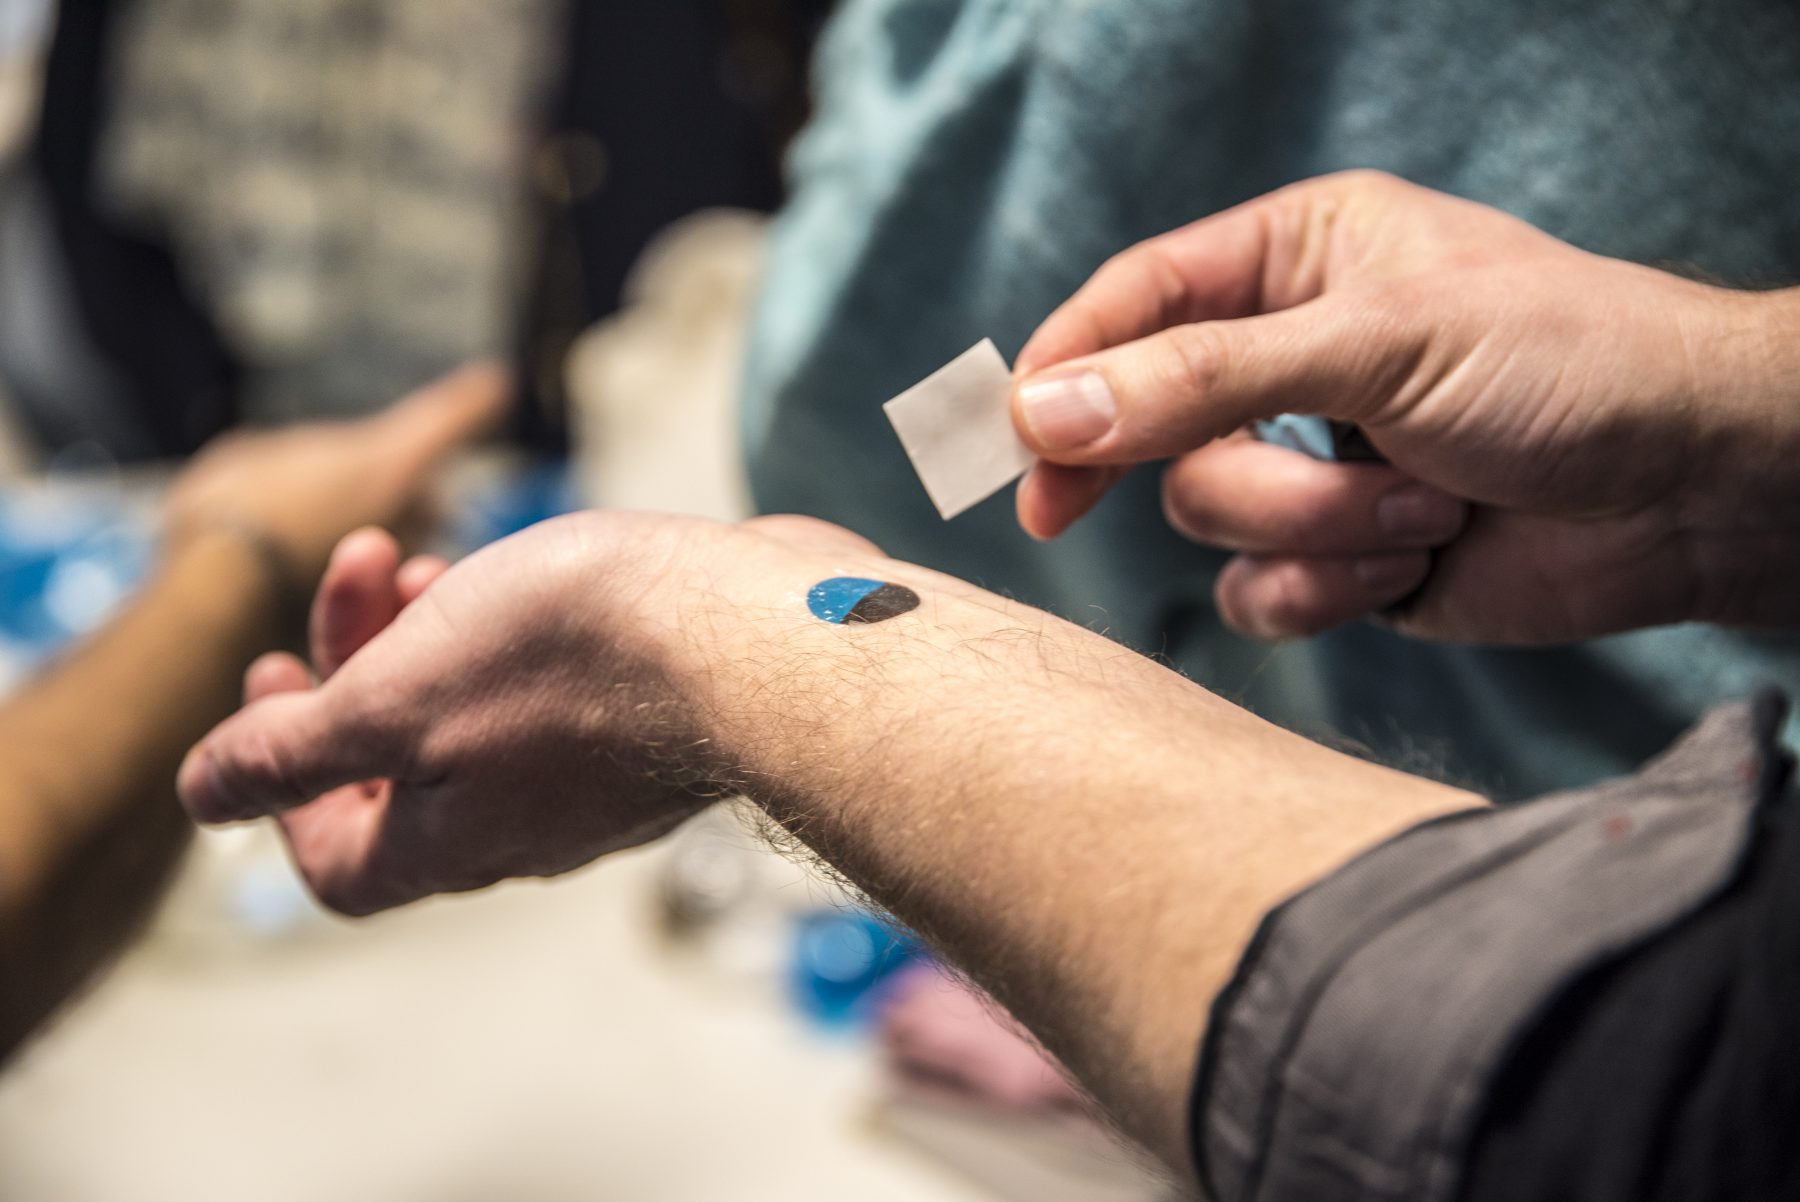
168,362
1584,998
659,108
664,109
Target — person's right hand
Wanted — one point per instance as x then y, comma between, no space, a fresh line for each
1587,445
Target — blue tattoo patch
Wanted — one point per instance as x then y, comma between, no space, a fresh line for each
850,600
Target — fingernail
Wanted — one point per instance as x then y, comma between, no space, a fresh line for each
1418,513
1064,412
1387,573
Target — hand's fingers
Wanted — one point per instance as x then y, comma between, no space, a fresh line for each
282,752
811,534
1283,598
1177,390
460,407
1264,255
418,574
1051,497
334,842
1245,495
357,599
276,672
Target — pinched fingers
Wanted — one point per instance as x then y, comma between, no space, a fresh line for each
1179,389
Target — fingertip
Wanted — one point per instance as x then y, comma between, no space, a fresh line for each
275,672
1034,509
366,544
418,574
1053,497
197,785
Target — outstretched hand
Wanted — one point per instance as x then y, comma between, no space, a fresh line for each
519,714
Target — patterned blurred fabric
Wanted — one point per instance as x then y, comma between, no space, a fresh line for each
342,179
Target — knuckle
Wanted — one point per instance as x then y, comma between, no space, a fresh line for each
1198,362
343,896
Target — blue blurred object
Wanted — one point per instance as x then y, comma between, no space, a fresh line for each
536,491
74,546
1319,438
68,556
841,958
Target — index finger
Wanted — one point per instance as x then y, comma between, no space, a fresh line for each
1263,255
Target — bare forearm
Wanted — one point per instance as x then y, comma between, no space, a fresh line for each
1090,836
89,825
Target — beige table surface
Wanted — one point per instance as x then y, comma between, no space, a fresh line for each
536,1042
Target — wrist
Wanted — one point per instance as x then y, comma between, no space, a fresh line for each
1741,514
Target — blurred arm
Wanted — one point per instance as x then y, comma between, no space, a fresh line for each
89,826
90,829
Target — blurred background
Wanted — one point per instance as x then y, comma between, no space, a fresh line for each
217,213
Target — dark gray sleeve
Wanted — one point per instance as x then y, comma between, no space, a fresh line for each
1349,1057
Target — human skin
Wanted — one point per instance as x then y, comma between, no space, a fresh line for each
1088,834
1578,445
90,829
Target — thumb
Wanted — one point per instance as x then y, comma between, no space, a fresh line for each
1179,389
282,752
